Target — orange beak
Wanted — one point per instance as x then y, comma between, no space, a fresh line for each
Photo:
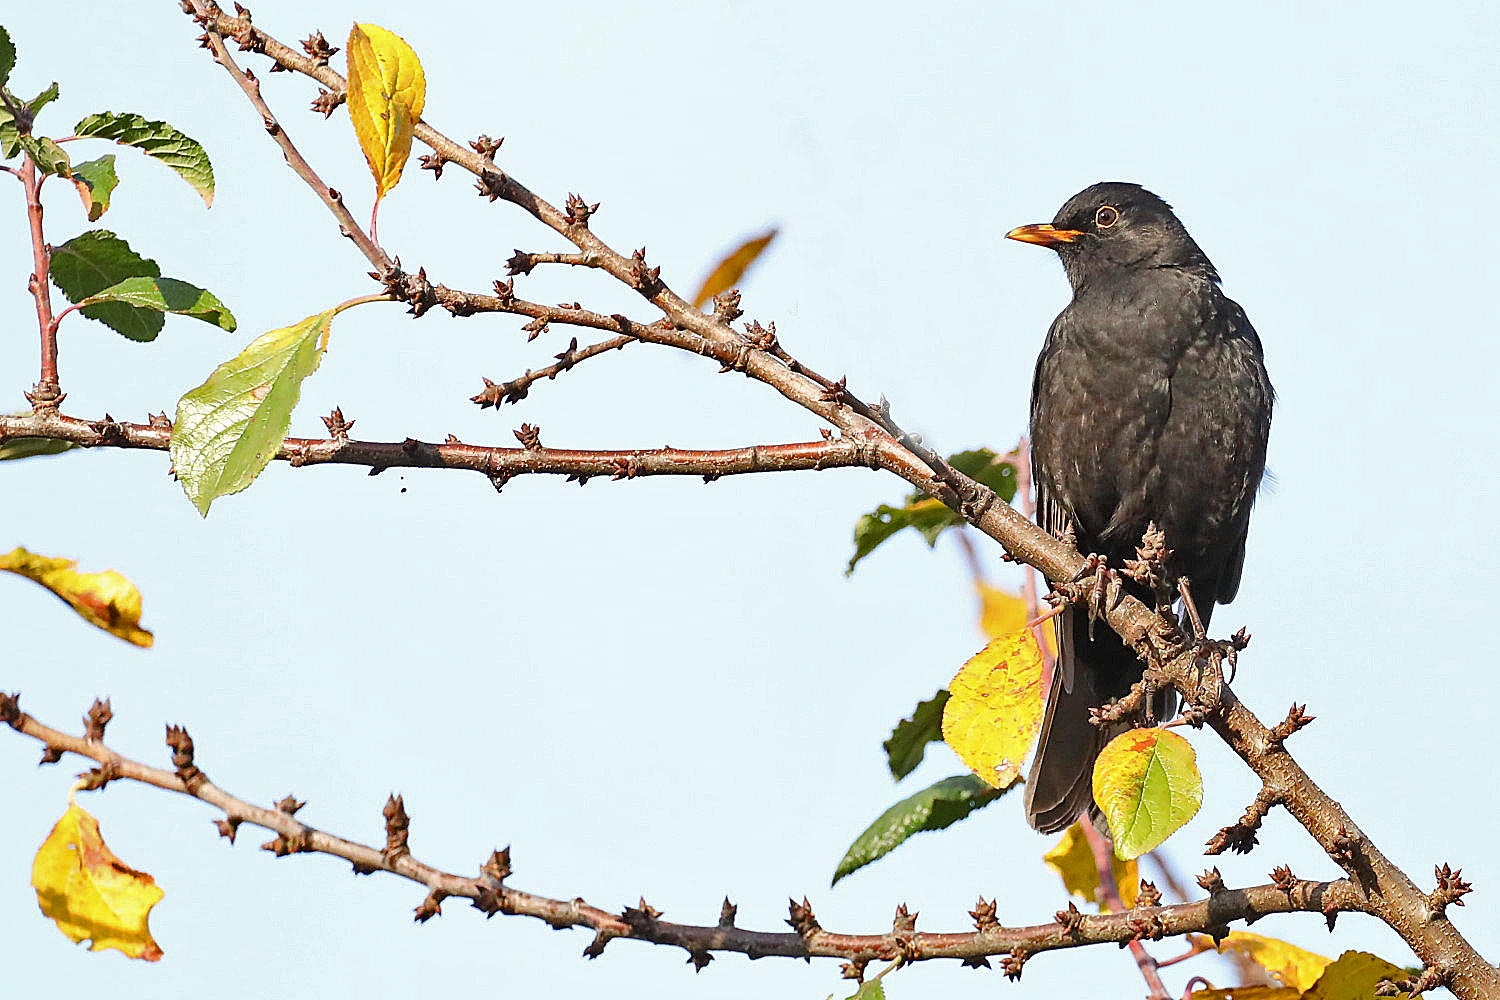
1044,235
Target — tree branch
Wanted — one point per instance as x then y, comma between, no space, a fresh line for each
499,464
517,389
488,892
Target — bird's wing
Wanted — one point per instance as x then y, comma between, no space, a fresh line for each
1252,445
1055,519
1229,579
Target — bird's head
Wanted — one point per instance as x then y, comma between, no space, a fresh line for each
1116,225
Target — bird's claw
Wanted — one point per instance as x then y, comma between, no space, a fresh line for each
1100,601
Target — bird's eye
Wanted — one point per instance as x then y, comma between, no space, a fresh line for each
1106,216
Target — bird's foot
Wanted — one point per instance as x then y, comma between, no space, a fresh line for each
1090,587
1100,602
1210,655
1185,590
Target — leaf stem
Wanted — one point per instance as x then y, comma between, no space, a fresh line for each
361,300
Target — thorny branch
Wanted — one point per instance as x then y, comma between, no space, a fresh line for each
489,892
1374,884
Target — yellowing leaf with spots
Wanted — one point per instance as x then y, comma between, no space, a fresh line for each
386,94
1148,785
731,269
1001,612
107,599
91,894
995,708
1073,860
1286,963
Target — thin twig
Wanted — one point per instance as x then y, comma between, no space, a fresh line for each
518,388
247,82
523,261
1104,864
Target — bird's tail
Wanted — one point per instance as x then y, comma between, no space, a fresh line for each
1090,671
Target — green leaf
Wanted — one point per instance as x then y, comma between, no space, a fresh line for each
937,806
31,447
43,99
907,744
96,181
928,516
168,295
158,140
230,427
7,56
1147,783
47,155
98,259
994,471
873,990
10,130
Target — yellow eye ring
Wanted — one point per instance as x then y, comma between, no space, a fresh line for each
1107,216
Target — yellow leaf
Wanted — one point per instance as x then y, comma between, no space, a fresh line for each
1353,976
995,708
1073,860
106,599
92,894
732,268
1287,964
1248,993
1001,612
386,94
1147,783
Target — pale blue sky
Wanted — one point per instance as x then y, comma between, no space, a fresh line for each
667,689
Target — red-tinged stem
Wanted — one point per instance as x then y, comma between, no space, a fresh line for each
47,394
1103,855
1195,984
57,320
1192,952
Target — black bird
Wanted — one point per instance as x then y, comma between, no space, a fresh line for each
1150,404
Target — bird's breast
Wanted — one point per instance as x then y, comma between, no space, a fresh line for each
1145,393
